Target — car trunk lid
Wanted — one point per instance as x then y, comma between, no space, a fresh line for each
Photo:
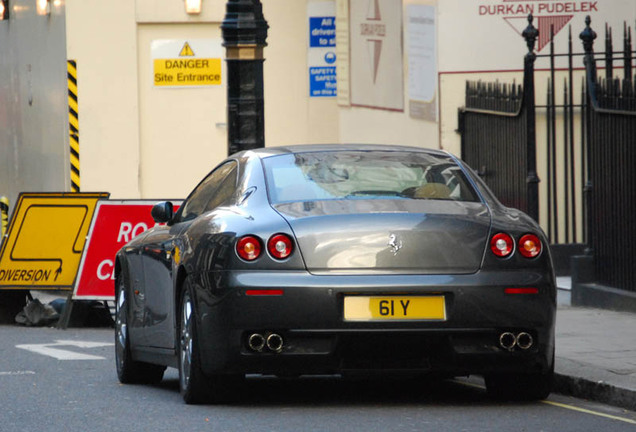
389,236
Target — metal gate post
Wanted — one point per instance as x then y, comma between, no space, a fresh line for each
530,34
588,36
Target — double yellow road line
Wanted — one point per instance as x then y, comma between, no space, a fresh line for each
562,405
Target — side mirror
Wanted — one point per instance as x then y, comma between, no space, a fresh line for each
162,212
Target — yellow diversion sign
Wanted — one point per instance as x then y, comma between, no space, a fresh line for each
186,63
45,240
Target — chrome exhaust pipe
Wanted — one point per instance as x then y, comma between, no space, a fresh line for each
256,342
507,341
524,340
275,342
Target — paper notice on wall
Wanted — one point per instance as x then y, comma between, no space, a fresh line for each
422,61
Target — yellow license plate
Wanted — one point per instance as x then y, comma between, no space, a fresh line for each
362,308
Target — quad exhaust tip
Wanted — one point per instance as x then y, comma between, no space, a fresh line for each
507,341
273,341
523,340
256,342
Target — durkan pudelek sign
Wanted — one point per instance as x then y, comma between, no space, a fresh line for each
549,15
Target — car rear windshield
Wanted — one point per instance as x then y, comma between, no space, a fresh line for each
364,175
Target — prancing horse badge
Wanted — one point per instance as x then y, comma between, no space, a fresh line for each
395,243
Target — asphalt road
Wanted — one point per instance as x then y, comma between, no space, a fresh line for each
65,380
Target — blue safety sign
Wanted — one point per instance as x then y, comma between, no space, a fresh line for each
322,56
322,81
322,32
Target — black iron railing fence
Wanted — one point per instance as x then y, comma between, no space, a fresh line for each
495,145
589,143
494,98
564,180
610,131
497,126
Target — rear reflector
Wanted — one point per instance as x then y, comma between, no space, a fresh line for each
521,290
267,292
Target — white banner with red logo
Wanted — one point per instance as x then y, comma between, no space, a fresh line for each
485,35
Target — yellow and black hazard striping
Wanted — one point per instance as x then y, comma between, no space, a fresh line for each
73,123
4,211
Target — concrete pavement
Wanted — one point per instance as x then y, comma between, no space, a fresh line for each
595,353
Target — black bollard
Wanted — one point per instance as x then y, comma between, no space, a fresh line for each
244,34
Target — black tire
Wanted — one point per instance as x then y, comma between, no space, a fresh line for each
520,387
130,371
195,387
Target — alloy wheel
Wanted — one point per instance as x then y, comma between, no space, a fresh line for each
121,327
186,340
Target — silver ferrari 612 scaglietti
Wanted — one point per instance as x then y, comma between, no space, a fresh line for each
336,259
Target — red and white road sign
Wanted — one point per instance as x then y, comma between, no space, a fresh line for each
115,224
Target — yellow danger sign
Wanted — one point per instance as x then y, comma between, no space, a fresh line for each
187,72
46,240
186,51
187,63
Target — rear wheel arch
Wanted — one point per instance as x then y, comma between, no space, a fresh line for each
117,272
121,270
182,274
129,370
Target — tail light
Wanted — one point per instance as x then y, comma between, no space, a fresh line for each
502,245
280,246
530,246
248,248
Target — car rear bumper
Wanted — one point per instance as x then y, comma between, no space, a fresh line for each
307,312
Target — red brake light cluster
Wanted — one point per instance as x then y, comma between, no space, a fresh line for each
280,246
530,246
248,248
502,245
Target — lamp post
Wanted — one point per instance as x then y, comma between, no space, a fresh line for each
244,33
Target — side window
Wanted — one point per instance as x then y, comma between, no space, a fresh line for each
224,192
215,188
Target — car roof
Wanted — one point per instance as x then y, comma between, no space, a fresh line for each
309,148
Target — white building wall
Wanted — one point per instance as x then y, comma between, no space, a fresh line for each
140,141
102,39
392,120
